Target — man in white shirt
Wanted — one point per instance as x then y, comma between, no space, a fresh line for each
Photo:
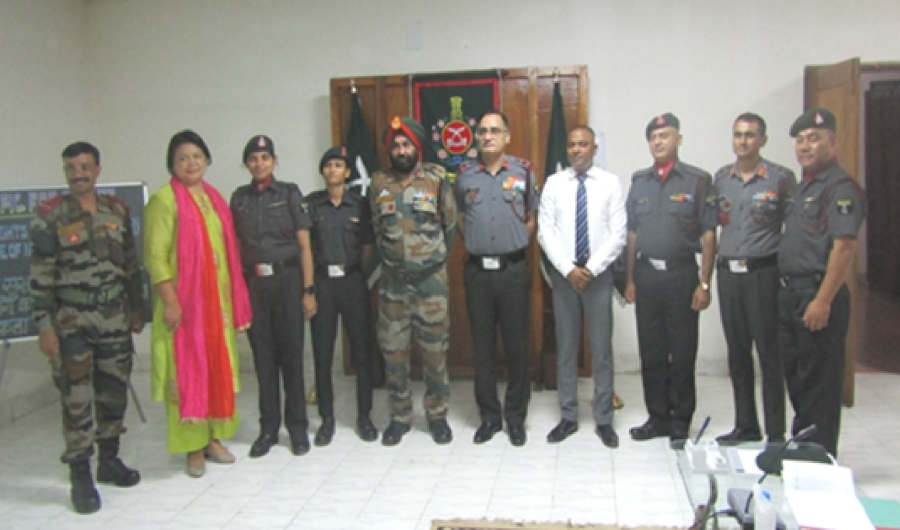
581,227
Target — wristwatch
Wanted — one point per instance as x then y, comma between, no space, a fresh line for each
309,289
704,285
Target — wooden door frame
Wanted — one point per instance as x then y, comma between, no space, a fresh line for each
818,78
537,100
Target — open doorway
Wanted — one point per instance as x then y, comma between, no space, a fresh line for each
879,147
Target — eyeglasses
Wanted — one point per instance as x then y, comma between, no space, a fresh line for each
484,131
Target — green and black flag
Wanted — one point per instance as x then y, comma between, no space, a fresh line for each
556,137
361,148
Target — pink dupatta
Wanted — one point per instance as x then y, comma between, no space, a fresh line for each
203,367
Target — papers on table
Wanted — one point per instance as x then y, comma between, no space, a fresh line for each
823,496
743,460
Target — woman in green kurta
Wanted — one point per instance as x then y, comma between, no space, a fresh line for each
194,356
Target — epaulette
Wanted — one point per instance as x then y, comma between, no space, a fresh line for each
117,201
49,205
316,197
524,162
465,165
691,169
641,173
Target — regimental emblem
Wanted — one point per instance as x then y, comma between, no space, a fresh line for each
453,137
261,142
660,120
819,119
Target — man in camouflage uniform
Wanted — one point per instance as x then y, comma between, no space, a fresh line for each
414,217
87,297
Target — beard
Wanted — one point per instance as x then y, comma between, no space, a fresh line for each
404,163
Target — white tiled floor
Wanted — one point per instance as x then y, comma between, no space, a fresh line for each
352,484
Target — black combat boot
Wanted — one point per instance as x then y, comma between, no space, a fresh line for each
85,498
110,469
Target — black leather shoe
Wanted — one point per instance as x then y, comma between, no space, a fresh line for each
262,444
325,432
647,431
486,431
516,433
677,437
114,471
365,429
608,436
299,443
394,433
85,498
737,436
562,431
440,431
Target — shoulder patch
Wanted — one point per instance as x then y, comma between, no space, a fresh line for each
49,205
524,162
118,202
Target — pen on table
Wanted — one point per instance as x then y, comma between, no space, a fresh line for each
702,430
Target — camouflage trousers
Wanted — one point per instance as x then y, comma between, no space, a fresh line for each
92,373
415,312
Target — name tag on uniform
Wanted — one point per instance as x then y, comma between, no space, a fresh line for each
336,271
424,205
490,263
264,269
658,264
738,266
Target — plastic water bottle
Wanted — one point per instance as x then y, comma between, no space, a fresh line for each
763,509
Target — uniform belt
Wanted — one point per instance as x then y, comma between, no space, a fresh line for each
274,266
502,259
801,281
101,295
669,264
348,269
751,264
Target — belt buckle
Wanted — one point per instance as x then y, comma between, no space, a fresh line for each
336,271
490,263
264,270
739,266
658,264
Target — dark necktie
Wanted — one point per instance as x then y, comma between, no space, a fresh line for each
582,247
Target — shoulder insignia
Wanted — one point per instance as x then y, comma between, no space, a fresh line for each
117,201
49,205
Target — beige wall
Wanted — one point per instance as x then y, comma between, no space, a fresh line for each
230,68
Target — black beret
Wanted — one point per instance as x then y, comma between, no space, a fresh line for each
663,120
819,118
260,142
336,152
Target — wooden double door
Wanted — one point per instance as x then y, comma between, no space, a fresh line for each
525,96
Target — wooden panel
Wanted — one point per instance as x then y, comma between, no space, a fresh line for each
836,87
526,97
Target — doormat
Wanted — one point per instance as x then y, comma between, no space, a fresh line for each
468,524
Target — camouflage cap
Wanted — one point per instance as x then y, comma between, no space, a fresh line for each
260,142
338,152
663,120
407,127
818,118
